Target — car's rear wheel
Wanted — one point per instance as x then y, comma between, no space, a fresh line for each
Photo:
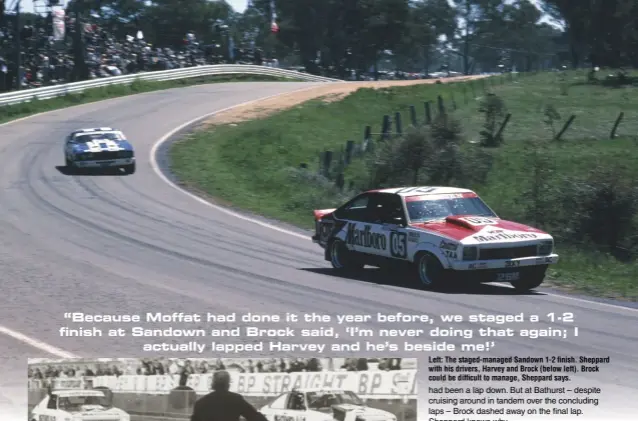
429,270
129,169
343,259
530,279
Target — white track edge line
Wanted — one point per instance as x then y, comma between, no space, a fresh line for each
42,346
167,136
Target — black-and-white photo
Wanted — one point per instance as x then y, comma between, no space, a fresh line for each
274,389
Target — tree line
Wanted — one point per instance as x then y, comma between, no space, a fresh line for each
342,36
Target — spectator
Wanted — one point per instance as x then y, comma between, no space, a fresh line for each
224,405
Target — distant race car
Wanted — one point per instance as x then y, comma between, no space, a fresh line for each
442,233
102,147
322,405
77,405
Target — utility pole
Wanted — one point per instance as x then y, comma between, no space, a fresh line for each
18,46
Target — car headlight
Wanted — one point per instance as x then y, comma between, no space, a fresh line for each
470,253
545,248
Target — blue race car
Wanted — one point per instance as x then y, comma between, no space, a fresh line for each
99,148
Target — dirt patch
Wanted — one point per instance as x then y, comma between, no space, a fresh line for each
329,92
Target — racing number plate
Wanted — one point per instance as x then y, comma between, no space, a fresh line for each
508,276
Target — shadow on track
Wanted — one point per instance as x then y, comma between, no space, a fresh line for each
389,278
64,170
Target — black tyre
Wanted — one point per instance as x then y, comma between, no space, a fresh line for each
129,169
530,279
429,270
341,258
67,162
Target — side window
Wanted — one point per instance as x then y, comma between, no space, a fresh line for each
355,210
387,209
52,403
296,402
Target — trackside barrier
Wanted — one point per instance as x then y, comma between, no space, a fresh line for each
367,384
49,92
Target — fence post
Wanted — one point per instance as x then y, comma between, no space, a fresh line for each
441,105
413,115
565,127
500,130
618,120
428,112
397,123
453,101
367,139
340,181
327,162
349,150
385,128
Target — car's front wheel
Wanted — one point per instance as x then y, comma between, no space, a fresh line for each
341,258
67,161
429,270
530,279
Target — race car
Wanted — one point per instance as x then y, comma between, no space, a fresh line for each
322,405
99,148
77,405
442,234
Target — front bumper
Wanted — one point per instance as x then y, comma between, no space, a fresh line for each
104,163
510,264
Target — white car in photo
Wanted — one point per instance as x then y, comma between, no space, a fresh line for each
77,405
322,405
443,233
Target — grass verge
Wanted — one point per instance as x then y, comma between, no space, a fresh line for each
255,165
13,112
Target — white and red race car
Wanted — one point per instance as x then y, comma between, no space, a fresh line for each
322,405
444,233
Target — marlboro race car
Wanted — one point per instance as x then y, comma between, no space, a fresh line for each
77,405
443,234
322,405
99,148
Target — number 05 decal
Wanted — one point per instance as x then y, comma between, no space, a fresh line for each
398,245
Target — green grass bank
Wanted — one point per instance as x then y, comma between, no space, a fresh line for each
256,165
13,112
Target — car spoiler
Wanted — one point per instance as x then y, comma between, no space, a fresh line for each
320,213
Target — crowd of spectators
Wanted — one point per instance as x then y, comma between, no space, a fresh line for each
185,367
46,61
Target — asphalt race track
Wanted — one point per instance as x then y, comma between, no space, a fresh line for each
132,244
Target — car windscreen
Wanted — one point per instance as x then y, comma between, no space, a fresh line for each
83,138
318,400
79,403
437,207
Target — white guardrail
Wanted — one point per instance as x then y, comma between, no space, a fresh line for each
49,92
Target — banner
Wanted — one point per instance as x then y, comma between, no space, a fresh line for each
58,24
366,384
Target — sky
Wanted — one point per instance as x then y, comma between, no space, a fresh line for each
30,6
